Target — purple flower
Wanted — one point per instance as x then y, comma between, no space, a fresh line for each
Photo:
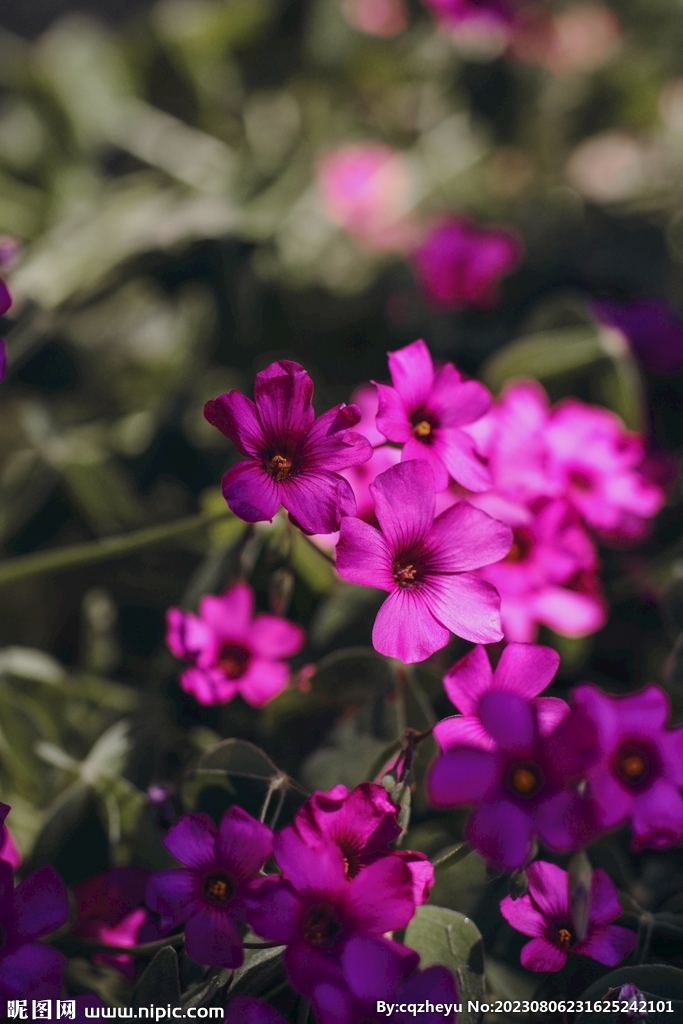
363,824
524,788
8,848
545,914
314,907
651,326
372,969
231,650
640,770
425,565
523,669
5,303
424,411
460,263
38,906
493,14
252,1010
291,458
209,894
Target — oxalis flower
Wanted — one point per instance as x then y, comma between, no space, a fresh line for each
314,907
38,906
524,788
291,458
362,823
231,650
523,669
425,564
545,914
640,769
424,411
209,894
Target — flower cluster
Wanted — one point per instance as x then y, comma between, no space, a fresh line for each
536,768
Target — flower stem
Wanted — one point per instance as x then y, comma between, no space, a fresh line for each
454,856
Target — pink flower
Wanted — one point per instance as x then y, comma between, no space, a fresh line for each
231,650
457,12
110,909
292,459
363,824
384,18
548,577
546,915
314,908
460,263
425,564
523,669
424,411
209,893
640,771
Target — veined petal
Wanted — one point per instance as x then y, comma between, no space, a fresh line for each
363,555
332,444
457,402
462,731
457,451
250,492
605,906
235,416
415,449
283,393
213,938
465,604
523,915
542,955
412,373
318,500
526,669
311,870
548,890
192,840
380,897
406,629
392,417
464,538
244,844
273,909
607,945
405,500
40,904
174,895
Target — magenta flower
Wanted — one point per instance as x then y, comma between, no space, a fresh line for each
491,13
545,914
38,906
5,304
640,770
548,577
525,787
460,263
291,458
523,669
209,895
314,907
231,650
424,411
425,564
8,848
110,909
363,824
252,1010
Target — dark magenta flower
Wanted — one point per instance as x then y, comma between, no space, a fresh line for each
493,14
110,909
523,669
209,894
231,650
640,770
38,906
654,331
8,848
460,263
545,914
314,907
526,787
363,824
425,564
5,304
424,411
291,458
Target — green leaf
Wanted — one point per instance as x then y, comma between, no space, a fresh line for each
443,936
542,355
342,608
61,819
261,971
351,675
655,981
311,566
201,993
160,983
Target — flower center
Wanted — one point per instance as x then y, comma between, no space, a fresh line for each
525,779
233,659
522,544
404,573
219,888
279,467
321,925
564,938
632,765
423,424
580,480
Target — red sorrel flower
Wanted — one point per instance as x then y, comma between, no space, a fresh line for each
640,770
546,915
424,411
8,848
524,788
314,907
549,576
292,459
425,564
231,650
362,823
523,669
110,909
460,263
209,894
38,906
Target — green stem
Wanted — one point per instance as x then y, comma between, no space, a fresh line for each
150,948
74,556
453,856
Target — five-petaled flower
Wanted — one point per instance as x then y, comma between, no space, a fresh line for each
640,771
209,894
425,563
545,913
231,650
290,457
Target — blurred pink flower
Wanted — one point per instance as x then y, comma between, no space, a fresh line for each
455,12
460,263
579,40
385,18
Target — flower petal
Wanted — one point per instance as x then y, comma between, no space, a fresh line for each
392,417
455,401
250,492
380,897
318,500
464,538
550,711
371,966
208,686
311,870
244,844
186,635
283,394
263,680
416,449
332,444
229,614
607,945
526,669
274,637
406,629
658,817
523,915
605,906
173,893
457,451
461,776
501,831
510,720
548,890
462,731
40,904
468,679
412,373
32,970
541,955
465,604
273,909
569,612
192,841
405,500
213,938
235,416
363,555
